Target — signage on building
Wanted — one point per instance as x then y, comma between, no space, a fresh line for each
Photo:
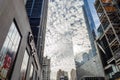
31,43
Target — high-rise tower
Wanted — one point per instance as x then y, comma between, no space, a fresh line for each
108,43
37,13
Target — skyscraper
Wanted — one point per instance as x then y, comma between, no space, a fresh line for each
108,43
37,13
90,65
91,14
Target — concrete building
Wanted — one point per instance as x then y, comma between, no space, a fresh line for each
108,42
46,69
18,55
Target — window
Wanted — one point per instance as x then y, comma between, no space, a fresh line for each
31,72
8,52
24,65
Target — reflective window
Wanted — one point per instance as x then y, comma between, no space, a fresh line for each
8,52
31,72
24,65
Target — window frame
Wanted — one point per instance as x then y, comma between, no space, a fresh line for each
12,64
27,63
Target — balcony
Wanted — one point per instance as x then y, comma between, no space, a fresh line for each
115,46
117,30
110,35
110,60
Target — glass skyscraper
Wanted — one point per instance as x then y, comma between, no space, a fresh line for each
90,65
91,14
34,10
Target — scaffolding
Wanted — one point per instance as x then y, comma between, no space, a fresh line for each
109,14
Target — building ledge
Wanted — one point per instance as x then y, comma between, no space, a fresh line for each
110,60
108,66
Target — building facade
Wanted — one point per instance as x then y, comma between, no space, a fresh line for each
34,10
37,14
46,69
90,13
108,42
18,55
90,65
92,22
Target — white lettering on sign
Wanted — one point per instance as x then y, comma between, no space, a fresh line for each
31,43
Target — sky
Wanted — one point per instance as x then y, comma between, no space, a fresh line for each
66,34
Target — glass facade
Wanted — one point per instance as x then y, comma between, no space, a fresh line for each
24,65
92,16
34,8
89,10
9,51
89,4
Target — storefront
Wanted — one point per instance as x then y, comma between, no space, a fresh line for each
18,58
9,51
